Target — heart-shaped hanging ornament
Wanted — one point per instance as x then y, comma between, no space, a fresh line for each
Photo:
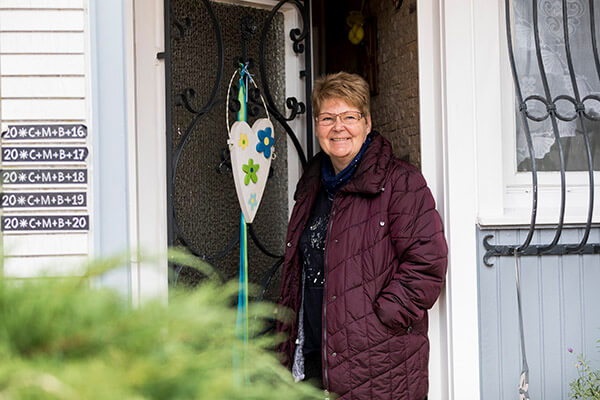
251,153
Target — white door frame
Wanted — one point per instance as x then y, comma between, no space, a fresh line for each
146,149
448,141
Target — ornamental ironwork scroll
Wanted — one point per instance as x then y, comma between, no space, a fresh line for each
190,110
552,103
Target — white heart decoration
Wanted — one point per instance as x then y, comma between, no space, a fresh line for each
251,153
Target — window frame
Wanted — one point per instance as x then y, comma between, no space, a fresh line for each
505,194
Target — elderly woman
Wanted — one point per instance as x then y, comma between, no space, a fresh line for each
365,258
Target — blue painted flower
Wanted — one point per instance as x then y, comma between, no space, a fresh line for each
265,142
252,201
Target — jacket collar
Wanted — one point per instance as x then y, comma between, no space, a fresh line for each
370,174
311,178
368,177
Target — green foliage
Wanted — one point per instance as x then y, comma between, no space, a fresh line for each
60,339
587,384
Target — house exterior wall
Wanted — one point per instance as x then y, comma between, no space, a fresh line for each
45,82
65,62
560,300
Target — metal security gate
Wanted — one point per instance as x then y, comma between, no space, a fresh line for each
204,43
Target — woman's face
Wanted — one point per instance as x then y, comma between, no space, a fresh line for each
341,142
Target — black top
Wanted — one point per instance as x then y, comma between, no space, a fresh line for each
312,245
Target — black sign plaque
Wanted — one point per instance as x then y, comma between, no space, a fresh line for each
43,132
23,223
44,176
43,199
44,154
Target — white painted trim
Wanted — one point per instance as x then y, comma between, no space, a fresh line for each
449,123
147,150
90,123
109,138
488,95
432,162
131,143
294,87
459,110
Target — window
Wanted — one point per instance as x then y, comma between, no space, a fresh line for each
503,175
559,83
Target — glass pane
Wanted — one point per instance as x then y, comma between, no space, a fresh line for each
546,149
208,212
553,51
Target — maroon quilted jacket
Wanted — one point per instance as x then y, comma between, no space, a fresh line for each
385,264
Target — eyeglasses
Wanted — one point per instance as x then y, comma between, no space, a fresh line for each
346,117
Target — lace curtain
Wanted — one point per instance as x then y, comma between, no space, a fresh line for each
552,42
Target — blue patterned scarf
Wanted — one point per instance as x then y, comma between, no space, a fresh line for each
333,182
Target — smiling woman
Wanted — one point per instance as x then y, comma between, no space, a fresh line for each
365,258
345,96
341,138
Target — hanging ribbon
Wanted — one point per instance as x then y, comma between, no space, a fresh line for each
251,150
242,309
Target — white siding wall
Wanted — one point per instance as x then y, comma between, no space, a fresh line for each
44,79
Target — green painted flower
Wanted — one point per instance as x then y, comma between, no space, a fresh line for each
250,169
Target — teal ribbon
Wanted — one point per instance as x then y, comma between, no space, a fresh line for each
241,326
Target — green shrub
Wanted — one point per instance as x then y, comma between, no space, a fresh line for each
59,339
587,384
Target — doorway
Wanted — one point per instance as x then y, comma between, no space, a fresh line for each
206,42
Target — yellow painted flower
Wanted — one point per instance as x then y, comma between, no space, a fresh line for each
243,141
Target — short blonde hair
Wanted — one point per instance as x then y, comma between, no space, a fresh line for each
351,88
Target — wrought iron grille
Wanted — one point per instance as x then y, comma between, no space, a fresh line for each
209,39
554,113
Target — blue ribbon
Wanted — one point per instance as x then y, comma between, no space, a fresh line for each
241,326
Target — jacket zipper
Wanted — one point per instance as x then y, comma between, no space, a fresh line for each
324,345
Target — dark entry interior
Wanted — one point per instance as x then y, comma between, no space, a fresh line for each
345,38
387,57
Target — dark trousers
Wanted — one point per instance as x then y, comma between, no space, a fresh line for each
313,371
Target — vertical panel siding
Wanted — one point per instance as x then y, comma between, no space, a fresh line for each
560,299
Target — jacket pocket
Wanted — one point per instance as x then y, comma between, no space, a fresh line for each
388,322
